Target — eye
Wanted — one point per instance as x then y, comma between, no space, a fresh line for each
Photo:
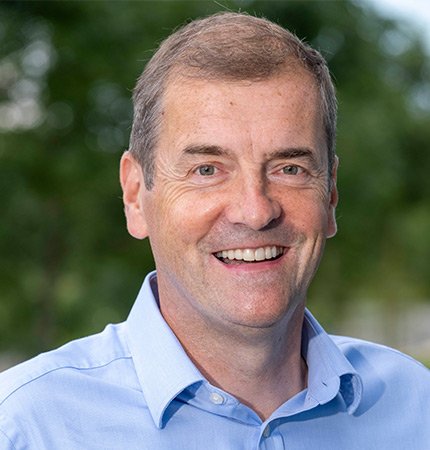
291,170
206,170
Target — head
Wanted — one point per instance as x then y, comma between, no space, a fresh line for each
229,173
224,47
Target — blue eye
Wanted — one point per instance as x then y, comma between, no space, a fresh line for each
290,170
206,170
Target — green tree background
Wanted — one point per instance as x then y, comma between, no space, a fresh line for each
67,69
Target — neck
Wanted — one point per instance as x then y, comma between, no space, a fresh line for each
261,367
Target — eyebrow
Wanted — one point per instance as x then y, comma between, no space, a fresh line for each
215,150
284,153
293,152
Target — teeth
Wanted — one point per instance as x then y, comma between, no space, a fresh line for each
249,254
259,254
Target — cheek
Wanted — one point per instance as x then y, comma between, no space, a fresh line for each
307,213
183,214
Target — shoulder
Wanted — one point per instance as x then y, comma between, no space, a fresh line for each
82,355
395,388
388,374
380,356
66,395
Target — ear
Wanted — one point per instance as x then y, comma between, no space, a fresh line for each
332,226
133,188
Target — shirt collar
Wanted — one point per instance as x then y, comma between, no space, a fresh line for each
329,371
164,369
162,366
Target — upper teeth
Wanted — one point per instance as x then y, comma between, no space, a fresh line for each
249,254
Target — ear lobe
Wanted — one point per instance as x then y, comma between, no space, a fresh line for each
133,186
334,197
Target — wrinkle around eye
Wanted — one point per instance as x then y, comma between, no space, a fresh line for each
305,178
218,175
167,174
297,175
187,179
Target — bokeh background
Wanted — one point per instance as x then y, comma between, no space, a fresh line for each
67,70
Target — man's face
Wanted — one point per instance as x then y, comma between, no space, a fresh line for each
240,172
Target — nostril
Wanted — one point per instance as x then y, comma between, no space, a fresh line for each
254,214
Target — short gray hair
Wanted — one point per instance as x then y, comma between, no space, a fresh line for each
230,47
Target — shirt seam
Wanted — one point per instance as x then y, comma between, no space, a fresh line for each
60,368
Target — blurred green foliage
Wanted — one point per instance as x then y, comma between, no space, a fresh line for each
67,69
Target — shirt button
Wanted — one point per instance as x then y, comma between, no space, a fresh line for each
216,398
266,432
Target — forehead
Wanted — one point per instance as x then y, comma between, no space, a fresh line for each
275,112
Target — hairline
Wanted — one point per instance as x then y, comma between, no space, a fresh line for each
174,56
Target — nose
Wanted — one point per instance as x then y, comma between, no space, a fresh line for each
251,204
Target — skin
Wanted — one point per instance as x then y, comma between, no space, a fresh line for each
238,165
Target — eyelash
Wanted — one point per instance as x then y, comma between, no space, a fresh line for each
297,169
206,166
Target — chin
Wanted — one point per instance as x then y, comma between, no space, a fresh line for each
261,313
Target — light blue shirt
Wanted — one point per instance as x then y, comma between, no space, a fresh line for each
133,387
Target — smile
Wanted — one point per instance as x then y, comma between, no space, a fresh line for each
236,256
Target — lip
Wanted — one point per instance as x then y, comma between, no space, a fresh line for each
252,247
245,252
253,266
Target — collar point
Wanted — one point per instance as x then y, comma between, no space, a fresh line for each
351,390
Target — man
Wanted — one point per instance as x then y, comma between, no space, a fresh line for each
231,173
